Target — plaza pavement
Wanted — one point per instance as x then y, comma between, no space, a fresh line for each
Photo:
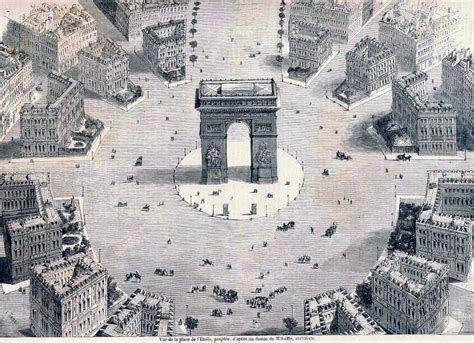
132,240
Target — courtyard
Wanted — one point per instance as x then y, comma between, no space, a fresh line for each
358,194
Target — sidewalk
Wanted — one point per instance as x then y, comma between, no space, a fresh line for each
362,101
468,285
8,288
453,327
460,156
305,84
127,107
87,157
159,77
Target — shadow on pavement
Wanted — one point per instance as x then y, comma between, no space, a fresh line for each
192,174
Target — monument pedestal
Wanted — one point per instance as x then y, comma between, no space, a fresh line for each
264,175
214,176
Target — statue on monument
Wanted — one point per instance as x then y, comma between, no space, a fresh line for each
213,156
264,157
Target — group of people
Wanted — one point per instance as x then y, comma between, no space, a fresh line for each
348,200
304,259
164,272
132,275
277,291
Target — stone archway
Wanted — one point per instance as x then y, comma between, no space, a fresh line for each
224,102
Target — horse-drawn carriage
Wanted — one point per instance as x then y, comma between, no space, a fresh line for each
216,312
343,156
164,272
403,157
286,227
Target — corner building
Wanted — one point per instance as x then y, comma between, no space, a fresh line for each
430,125
457,87
103,68
16,71
52,35
68,297
410,294
310,46
164,48
46,130
32,226
370,65
335,312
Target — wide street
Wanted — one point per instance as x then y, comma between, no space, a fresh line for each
129,239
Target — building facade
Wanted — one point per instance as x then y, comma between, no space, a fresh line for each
68,297
32,225
457,86
143,314
410,295
431,126
164,47
52,35
47,130
446,239
16,71
370,65
444,229
335,312
420,37
310,46
344,19
132,16
103,68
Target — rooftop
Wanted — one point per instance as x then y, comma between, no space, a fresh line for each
66,275
309,32
337,300
104,51
167,31
11,62
237,88
370,50
57,20
418,22
461,58
391,269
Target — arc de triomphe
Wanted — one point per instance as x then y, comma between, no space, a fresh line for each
224,102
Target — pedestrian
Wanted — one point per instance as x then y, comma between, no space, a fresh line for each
351,202
138,121
251,249
339,202
386,170
312,229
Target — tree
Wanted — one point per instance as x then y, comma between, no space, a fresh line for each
283,3
281,15
193,44
282,9
191,324
197,3
193,59
290,324
194,14
282,22
194,21
280,46
281,32
196,8
192,31
364,292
